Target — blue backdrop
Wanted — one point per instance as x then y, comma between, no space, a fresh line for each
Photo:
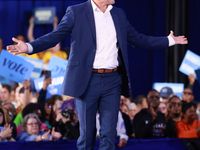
147,16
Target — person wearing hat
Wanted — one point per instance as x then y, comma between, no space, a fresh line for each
166,93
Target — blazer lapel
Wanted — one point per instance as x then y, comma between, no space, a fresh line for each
116,23
90,16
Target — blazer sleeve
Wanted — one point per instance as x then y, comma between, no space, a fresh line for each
145,42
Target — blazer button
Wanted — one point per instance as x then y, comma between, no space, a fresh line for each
90,66
94,50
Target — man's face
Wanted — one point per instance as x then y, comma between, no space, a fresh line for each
5,95
187,95
175,106
106,2
153,99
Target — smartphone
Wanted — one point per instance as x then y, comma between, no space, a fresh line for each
47,74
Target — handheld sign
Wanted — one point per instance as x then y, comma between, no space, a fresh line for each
44,15
57,65
38,65
53,88
190,63
14,68
176,87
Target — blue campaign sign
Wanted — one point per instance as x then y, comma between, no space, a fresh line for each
190,63
44,15
176,87
38,66
14,68
53,88
57,65
4,80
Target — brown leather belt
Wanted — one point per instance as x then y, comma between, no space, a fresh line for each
104,70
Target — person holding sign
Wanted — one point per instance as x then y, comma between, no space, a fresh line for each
99,31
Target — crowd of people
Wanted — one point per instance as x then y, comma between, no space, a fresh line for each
26,115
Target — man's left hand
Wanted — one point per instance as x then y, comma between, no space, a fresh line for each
178,39
122,143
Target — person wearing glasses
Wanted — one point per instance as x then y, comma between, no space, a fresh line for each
187,95
31,130
173,116
149,122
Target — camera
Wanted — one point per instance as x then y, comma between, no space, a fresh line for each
68,113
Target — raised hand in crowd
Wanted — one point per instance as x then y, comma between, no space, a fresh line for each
55,22
46,83
191,79
30,30
26,99
6,133
55,135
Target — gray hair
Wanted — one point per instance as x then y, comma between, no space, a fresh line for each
31,115
131,105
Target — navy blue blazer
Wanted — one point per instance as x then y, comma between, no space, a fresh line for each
79,22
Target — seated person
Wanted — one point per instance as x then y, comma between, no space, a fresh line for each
150,123
6,119
121,130
174,115
54,51
189,126
125,115
66,120
187,95
31,108
5,93
30,130
11,110
133,110
166,93
141,102
162,108
6,133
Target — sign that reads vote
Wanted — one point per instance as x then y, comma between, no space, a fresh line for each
38,65
190,63
53,88
57,65
44,15
14,68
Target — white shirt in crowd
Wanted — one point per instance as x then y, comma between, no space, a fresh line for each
121,129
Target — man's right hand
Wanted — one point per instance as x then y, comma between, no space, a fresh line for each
21,47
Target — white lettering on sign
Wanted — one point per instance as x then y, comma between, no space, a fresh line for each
43,15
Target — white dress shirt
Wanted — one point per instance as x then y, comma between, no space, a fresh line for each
106,39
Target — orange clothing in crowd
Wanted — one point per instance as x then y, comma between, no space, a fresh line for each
184,130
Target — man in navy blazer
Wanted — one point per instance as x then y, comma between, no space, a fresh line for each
99,34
